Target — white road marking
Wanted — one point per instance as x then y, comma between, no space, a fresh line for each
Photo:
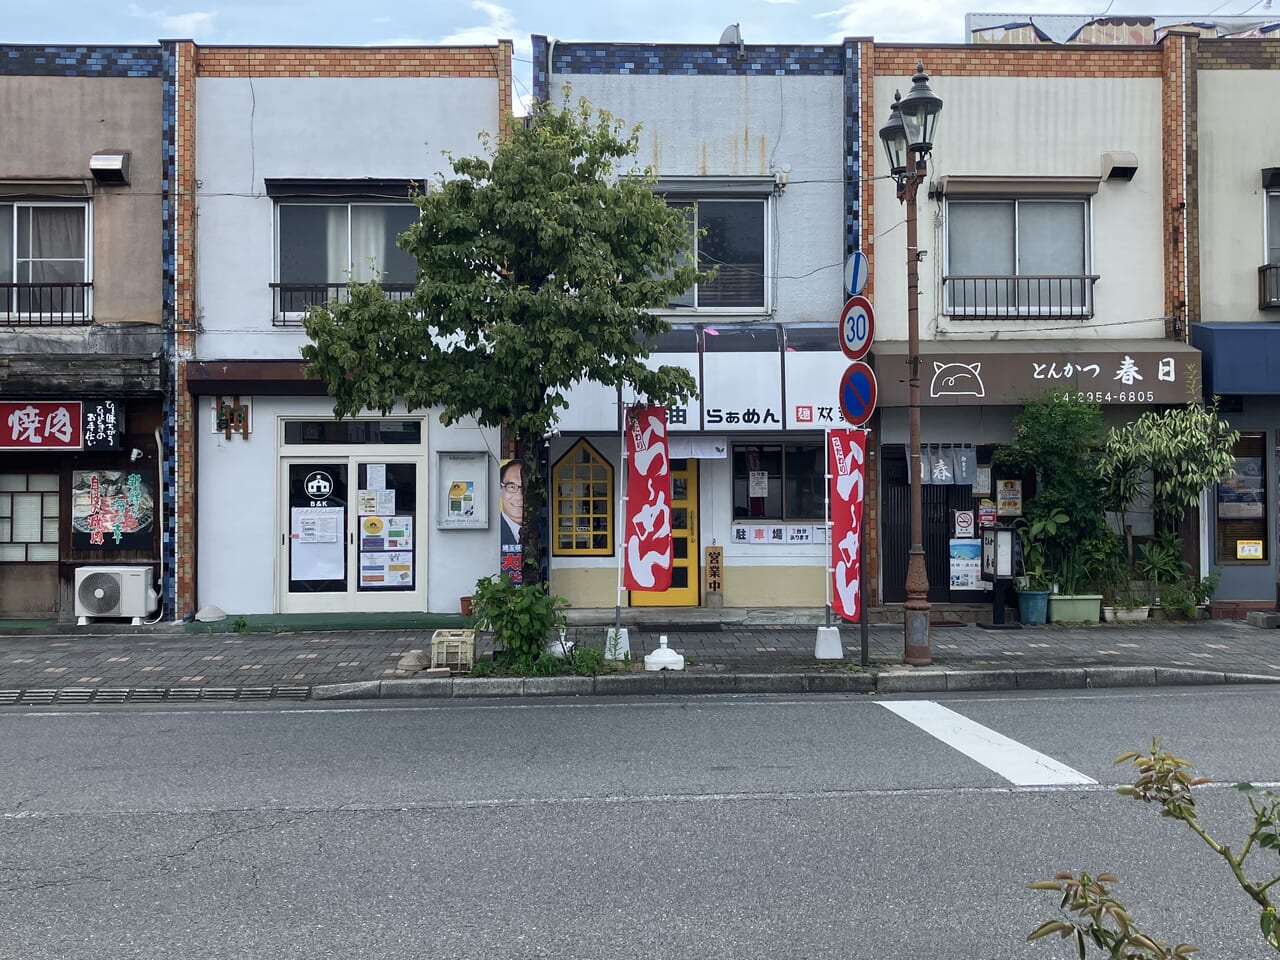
1014,761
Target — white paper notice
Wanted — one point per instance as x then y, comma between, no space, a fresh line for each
376,476
367,502
316,547
758,483
386,502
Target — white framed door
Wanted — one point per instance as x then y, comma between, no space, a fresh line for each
352,532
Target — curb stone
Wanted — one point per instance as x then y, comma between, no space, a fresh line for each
1101,677
1066,678
962,680
664,682
360,690
1171,676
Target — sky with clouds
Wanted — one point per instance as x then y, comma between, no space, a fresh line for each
483,21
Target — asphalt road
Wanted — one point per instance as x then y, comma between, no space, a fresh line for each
690,828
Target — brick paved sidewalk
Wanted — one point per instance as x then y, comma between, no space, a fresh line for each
171,665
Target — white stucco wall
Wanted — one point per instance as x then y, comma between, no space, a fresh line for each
1234,148
750,126
1029,127
248,130
239,482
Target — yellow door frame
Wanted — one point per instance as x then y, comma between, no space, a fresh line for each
686,569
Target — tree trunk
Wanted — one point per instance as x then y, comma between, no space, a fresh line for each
529,450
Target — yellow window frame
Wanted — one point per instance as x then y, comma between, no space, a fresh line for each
582,503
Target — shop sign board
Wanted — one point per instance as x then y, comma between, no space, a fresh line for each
61,424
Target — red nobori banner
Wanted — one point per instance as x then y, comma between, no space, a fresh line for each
847,453
41,425
647,534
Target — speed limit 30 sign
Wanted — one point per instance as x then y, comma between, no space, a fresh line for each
857,327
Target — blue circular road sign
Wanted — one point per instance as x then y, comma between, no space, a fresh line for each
856,269
858,391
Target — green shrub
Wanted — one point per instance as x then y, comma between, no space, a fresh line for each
522,619
586,661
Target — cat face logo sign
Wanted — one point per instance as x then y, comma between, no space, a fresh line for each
957,380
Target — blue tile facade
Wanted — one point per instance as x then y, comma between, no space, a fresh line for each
169,254
24,60
723,60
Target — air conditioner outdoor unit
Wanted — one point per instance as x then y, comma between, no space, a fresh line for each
114,592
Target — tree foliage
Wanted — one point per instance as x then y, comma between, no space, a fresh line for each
1055,440
1185,449
541,263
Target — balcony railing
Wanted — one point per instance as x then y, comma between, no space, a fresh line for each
292,299
45,304
1021,297
1269,287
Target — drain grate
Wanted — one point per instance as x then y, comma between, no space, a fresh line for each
105,695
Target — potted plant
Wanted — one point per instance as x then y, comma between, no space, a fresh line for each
1074,602
1033,600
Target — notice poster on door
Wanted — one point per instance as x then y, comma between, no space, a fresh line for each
382,570
316,545
386,533
966,564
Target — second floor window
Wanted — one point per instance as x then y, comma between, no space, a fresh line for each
44,258
1018,258
1273,227
323,246
733,241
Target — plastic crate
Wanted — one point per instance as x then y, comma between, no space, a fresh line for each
455,649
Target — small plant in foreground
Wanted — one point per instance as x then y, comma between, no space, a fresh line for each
1092,914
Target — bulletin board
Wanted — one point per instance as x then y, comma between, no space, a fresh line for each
462,491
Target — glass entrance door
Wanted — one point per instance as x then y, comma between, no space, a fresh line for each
351,535
684,543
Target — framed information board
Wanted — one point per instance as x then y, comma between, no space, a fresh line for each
462,491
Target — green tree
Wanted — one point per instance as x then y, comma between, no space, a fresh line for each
1055,440
540,265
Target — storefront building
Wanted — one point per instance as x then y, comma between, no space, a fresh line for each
762,145
87,273
1047,263
1235,246
295,511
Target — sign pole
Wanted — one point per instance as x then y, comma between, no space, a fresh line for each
619,640
826,517
864,629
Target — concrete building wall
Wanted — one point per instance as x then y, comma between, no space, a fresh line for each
93,114
1023,128
790,127
250,129
1233,149
240,527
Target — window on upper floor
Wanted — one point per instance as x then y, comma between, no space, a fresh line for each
1013,257
733,239
1269,273
321,247
44,263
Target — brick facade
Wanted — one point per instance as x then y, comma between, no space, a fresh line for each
182,198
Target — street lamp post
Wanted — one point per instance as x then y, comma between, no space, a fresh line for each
908,139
